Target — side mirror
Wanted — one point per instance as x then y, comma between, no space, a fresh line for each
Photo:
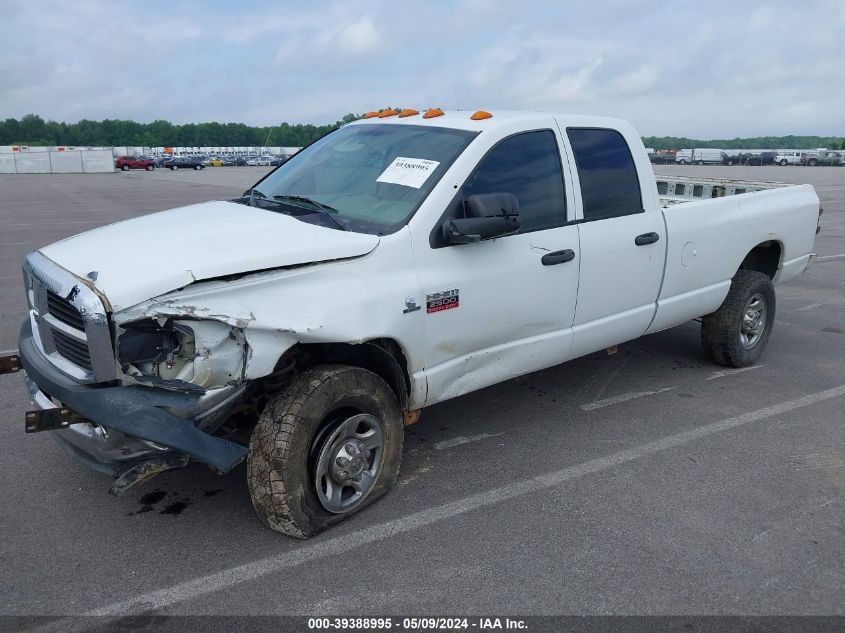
488,215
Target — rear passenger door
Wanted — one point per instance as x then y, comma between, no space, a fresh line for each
622,244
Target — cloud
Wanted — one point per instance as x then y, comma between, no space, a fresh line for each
679,68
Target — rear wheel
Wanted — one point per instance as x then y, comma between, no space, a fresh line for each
325,448
197,167
175,167
738,331
812,162
783,162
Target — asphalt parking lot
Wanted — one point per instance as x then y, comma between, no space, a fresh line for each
645,482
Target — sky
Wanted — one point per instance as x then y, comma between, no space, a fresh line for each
699,69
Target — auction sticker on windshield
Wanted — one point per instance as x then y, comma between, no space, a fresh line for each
409,172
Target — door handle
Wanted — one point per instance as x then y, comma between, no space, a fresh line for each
646,238
558,257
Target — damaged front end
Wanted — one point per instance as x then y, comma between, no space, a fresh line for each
144,390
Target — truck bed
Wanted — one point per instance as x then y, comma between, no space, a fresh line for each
674,190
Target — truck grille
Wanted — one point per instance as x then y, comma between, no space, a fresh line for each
75,351
64,311
70,322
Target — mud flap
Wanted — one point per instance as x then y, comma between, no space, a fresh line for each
147,470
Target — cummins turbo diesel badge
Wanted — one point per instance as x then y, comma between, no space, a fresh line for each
444,300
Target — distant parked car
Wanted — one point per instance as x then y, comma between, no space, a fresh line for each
825,157
264,161
732,158
788,157
761,158
278,160
700,156
661,158
160,160
184,162
213,162
125,163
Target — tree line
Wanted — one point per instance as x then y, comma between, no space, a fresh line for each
756,142
35,131
32,130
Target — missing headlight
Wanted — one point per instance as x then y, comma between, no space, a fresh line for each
205,354
149,342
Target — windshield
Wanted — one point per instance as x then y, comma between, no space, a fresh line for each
372,177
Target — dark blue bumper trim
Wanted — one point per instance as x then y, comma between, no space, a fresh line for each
132,410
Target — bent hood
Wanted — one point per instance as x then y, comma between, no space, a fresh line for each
139,259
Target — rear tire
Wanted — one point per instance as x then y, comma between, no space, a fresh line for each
783,163
175,167
736,334
301,474
813,163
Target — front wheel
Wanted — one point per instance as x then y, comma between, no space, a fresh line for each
736,333
150,167
813,163
124,168
174,167
325,448
783,163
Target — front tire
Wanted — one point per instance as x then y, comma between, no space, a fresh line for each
124,168
325,448
736,333
783,163
150,167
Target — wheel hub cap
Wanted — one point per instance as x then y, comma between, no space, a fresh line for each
349,462
753,321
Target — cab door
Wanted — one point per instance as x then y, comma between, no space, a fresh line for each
623,244
500,308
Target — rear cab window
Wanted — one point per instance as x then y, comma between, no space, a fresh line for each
610,184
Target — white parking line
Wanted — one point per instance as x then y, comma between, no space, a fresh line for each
731,372
459,441
821,259
228,578
812,306
598,404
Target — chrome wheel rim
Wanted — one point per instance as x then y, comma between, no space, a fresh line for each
753,321
349,462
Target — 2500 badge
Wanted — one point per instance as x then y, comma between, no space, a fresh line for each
443,300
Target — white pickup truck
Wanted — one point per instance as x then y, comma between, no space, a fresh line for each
397,262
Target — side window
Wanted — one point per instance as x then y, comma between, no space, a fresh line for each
609,184
528,166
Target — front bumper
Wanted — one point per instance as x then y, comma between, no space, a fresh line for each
125,420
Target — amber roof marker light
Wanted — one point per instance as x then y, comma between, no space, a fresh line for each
408,112
481,114
370,115
433,112
387,113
